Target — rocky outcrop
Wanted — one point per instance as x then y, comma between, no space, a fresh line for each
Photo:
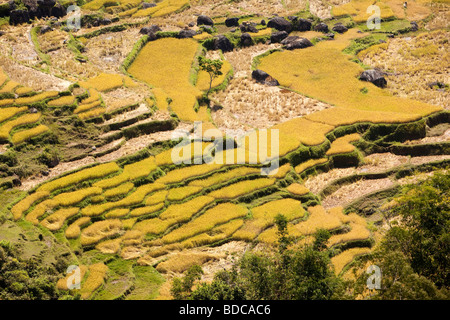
279,36
264,78
232,22
204,20
339,28
374,76
300,43
302,24
246,40
280,24
34,9
248,27
186,33
150,31
321,27
146,5
223,43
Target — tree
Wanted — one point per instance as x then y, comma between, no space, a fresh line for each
212,67
182,288
305,273
414,254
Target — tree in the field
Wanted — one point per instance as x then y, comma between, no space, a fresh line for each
414,253
304,273
212,67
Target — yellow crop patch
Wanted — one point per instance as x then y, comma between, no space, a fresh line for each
95,278
95,172
63,283
92,113
182,174
312,72
176,213
104,82
181,193
98,4
136,197
344,258
304,131
242,188
63,101
264,216
343,145
22,206
120,190
9,86
146,210
216,234
223,177
218,215
100,230
170,69
24,135
23,90
297,189
36,98
117,213
6,127
162,8
56,220
7,113
156,198
309,164
88,106
74,230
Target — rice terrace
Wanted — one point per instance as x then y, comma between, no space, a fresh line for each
224,149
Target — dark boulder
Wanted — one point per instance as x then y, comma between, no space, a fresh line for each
278,36
321,27
339,28
414,26
299,44
232,22
330,36
280,24
58,11
289,39
302,25
248,27
223,43
146,5
18,16
263,22
105,21
374,76
45,29
204,20
264,78
187,33
149,30
246,40
191,24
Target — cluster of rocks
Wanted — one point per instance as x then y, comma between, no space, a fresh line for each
34,9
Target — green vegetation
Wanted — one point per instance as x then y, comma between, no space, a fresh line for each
302,274
27,279
414,253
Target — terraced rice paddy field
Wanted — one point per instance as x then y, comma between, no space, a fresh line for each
89,160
